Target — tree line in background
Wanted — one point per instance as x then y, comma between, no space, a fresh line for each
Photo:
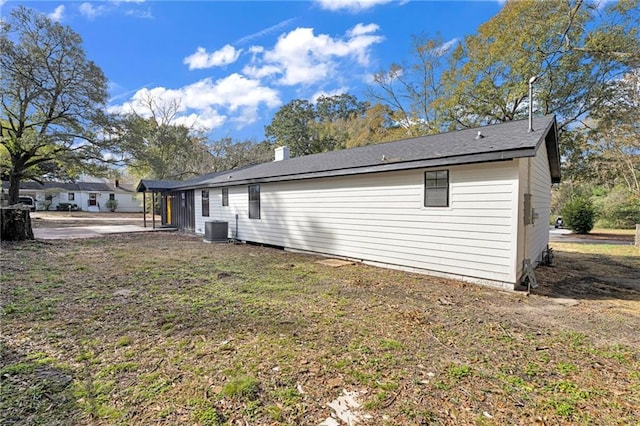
586,59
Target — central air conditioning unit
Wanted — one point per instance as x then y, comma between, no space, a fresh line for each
216,231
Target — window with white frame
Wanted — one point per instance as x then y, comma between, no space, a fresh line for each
71,196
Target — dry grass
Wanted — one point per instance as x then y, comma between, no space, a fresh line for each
614,231
163,329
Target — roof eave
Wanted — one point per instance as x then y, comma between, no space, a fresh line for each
550,138
409,165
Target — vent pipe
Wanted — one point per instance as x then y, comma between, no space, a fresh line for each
531,81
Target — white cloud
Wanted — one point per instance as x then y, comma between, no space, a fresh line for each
261,72
206,119
92,9
445,47
233,92
301,57
89,11
139,13
139,102
350,5
201,59
57,14
329,94
361,29
272,29
207,103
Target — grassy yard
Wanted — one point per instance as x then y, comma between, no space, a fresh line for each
163,329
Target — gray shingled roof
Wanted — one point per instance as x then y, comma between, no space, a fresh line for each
502,141
71,186
156,185
163,185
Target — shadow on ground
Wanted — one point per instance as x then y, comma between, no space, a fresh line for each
33,390
590,276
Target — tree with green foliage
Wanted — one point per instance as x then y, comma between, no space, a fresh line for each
52,98
308,128
613,140
617,208
573,47
229,154
579,215
157,147
379,124
292,126
558,41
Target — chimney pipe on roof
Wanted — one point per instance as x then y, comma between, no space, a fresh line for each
282,153
531,81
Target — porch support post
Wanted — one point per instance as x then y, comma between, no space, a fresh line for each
153,208
144,208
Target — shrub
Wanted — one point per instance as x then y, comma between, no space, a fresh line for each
66,207
112,205
618,209
578,214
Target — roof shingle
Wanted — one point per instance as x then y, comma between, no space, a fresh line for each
498,142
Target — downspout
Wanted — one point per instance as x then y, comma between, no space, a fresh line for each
528,212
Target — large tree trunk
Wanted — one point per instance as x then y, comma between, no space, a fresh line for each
14,187
15,224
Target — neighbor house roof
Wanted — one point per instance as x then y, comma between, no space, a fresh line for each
496,142
72,186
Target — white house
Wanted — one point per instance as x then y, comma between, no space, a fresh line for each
87,196
472,204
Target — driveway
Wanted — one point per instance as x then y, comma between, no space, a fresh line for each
64,225
567,236
72,232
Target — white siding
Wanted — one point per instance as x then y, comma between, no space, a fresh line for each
380,218
535,178
127,202
541,203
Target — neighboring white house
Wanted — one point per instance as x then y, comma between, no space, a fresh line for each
87,196
472,204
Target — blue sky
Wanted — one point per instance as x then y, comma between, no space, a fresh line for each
230,65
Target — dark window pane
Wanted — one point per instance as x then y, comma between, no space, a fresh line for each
437,198
205,203
436,188
225,196
254,201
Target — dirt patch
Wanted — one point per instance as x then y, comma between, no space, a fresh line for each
599,236
162,329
